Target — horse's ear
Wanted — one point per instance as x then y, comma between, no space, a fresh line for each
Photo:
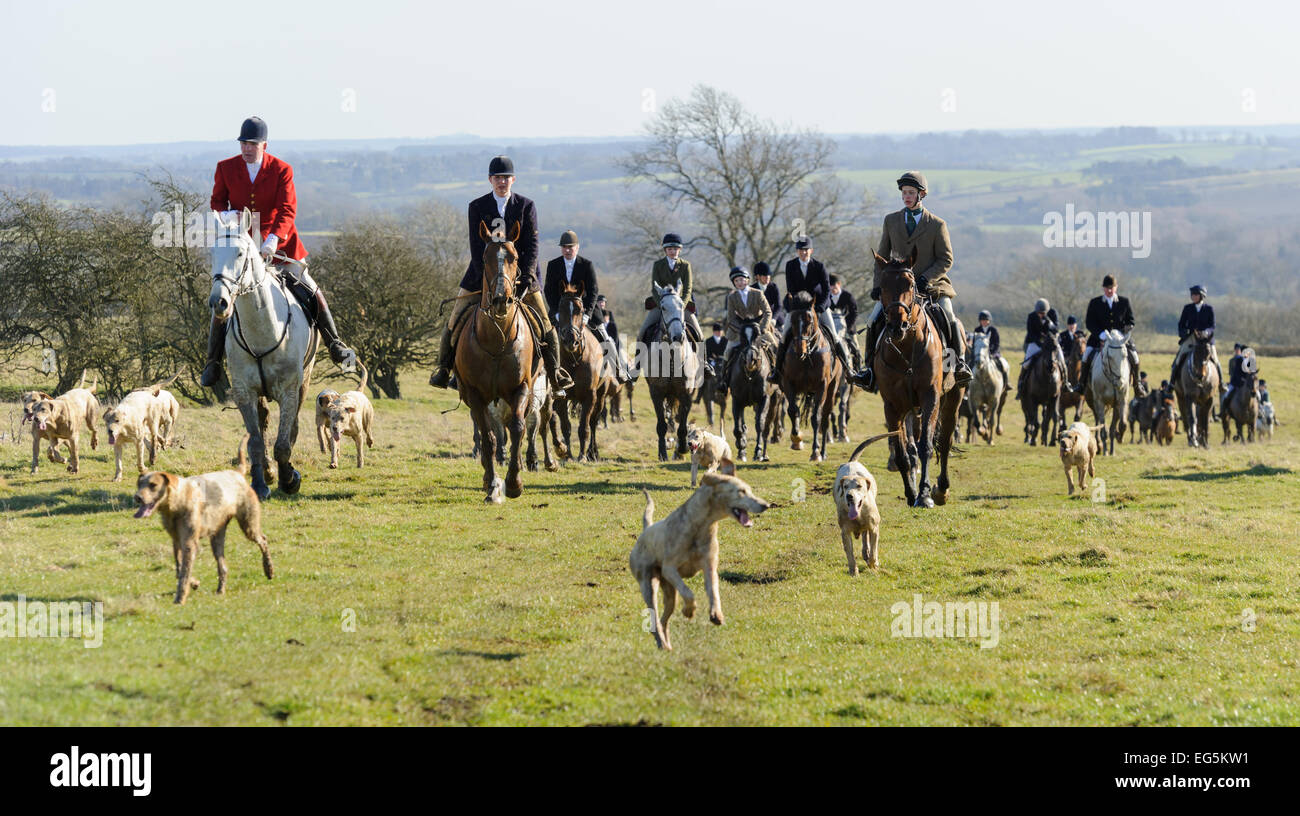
483,232
911,259
245,220
879,260
690,307
649,303
678,286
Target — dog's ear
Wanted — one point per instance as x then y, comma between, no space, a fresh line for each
171,480
712,479
727,467
352,409
43,395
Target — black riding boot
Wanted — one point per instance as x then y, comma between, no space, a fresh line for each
721,374
441,378
339,352
775,376
216,351
961,373
560,380
866,378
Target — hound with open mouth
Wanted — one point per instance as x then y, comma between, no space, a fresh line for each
198,507
686,542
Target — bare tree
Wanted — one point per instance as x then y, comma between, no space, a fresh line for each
385,277
736,184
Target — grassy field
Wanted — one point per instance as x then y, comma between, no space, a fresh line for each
1125,611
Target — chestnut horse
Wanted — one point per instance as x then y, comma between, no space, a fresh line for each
810,369
582,356
496,359
913,382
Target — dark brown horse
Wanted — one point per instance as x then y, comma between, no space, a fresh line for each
1073,371
582,356
1197,387
1242,405
1042,395
810,369
749,389
496,359
913,382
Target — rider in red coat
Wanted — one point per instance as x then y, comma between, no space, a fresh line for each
264,184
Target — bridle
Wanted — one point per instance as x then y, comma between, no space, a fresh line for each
665,326
574,334
237,286
502,297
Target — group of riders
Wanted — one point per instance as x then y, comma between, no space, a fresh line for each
263,183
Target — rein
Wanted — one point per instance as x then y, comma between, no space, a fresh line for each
243,344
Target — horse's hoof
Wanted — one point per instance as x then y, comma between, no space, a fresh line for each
263,492
514,490
493,498
292,483
532,467
941,497
924,501
552,467
796,445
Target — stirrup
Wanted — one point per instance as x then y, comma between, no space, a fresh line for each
440,378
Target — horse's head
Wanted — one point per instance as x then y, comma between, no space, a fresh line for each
803,323
500,268
572,318
751,358
1116,339
672,312
236,263
1201,353
980,347
898,291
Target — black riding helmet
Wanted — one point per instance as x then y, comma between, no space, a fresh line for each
986,315
1200,290
739,272
912,178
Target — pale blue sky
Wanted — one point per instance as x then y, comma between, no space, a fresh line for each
118,73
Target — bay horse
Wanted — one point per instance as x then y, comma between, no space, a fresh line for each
1042,395
1197,387
582,356
811,370
748,386
914,384
673,371
1242,405
270,347
1070,398
496,359
1108,388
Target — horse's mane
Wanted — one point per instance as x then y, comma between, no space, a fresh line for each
800,300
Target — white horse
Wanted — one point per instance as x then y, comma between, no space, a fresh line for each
270,347
988,390
1108,388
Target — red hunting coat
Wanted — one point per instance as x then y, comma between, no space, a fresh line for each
272,197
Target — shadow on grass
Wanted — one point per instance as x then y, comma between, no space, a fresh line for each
604,488
505,656
67,501
13,597
1257,470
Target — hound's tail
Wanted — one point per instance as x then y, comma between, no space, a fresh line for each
156,387
242,458
365,375
648,517
863,446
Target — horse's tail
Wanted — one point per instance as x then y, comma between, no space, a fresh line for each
365,375
648,517
241,459
863,446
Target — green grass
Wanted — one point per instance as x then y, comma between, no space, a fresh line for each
1126,611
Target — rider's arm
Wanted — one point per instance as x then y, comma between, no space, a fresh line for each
285,208
942,255
220,194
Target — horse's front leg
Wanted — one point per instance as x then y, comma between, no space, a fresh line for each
818,421
519,405
760,420
738,429
683,414
566,428
792,409
487,445
584,426
287,397
256,447
661,423
925,450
